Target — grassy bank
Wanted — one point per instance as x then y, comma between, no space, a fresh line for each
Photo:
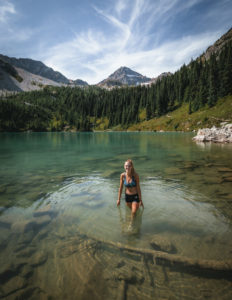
178,120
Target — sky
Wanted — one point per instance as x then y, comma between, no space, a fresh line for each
90,39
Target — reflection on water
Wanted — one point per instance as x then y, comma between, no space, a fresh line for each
60,227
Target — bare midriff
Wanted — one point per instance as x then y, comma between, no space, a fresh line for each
131,190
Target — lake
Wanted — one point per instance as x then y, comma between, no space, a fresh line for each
63,237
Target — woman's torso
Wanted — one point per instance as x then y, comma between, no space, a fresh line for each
130,184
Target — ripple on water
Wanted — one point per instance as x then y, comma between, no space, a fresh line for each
170,210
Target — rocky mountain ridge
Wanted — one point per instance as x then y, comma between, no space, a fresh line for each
218,45
13,79
26,74
79,82
155,79
35,67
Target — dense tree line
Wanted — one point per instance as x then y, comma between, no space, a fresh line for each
200,83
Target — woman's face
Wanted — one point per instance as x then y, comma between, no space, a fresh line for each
127,166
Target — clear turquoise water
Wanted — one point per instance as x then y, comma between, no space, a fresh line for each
74,177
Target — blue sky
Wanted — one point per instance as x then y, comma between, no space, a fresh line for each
91,39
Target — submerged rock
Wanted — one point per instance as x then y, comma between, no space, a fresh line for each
129,275
9,271
23,226
38,259
33,224
160,243
190,165
42,221
225,170
218,135
227,179
227,196
14,284
6,222
46,210
173,171
24,239
27,252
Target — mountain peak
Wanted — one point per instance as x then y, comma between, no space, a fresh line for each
124,76
124,69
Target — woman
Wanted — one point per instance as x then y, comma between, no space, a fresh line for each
132,193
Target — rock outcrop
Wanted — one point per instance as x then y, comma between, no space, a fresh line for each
218,45
214,134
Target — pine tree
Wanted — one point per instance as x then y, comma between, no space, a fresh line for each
212,98
226,72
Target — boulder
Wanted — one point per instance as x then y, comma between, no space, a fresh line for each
214,134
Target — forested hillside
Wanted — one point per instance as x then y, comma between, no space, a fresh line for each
200,84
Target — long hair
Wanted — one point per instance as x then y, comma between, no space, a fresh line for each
133,173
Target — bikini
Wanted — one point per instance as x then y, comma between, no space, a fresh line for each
129,184
134,197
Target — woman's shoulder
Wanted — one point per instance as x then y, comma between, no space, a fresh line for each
122,175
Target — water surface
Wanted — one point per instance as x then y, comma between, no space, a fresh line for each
58,194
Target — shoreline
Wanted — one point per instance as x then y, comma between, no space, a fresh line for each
95,131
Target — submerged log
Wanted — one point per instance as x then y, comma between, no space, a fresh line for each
215,268
174,260
202,267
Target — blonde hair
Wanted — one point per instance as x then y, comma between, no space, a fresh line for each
133,173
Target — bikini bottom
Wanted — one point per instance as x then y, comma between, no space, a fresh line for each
132,198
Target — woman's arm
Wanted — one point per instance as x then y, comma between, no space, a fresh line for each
120,189
139,191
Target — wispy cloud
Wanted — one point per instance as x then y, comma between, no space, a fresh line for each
120,6
6,9
8,31
92,55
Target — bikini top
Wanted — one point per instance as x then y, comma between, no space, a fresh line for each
129,184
